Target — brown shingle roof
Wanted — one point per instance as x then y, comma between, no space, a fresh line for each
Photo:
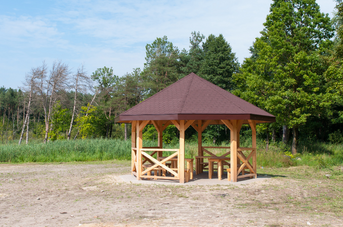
194,98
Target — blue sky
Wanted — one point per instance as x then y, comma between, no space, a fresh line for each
114,33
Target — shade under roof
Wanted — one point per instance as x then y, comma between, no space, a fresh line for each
194,98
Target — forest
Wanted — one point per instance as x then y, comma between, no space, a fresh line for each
295,72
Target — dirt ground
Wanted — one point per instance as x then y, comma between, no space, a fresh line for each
92,194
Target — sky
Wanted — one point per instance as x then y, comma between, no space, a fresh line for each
114,33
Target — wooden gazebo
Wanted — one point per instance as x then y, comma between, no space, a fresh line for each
192,101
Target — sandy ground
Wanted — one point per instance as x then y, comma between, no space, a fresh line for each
93,195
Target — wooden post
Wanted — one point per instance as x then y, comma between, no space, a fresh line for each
133,143
233,156
160,139
139,145
181,166
239,126
254,159
200,152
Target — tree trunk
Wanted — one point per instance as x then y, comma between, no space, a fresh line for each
295,140
285,134
273,135
27,117
73,115
27,127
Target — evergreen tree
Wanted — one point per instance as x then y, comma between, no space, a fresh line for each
219,62
285,73
162,66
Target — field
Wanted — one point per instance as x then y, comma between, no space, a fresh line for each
92,194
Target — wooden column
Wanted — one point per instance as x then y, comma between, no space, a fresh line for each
239,126
133,144
200,152
139,145
181,166
254,159
233,155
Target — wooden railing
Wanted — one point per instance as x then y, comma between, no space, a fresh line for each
159,166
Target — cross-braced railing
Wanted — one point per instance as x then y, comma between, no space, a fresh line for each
159,166
246,162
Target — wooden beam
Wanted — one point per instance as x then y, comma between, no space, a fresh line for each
253,130
133,145
204,126
233,155
181,158
166,125
142,125
198,166
177,125
228,124
189,123
139,145
158,163
194,125
157,126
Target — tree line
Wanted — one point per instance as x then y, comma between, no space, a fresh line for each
294,72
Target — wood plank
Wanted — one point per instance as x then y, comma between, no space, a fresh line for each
164,178
166,125
195,126
217,147
159,163
181,165
177,125
228,124
157,127
133,144
208,152
204,126
253,130
158,149
139,145
198,166
142,125
245,149
189,123
233,156
247,175
162,162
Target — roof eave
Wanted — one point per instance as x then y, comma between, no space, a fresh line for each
157,117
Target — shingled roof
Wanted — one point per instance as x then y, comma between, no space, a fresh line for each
194,98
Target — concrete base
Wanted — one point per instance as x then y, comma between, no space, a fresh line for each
200,179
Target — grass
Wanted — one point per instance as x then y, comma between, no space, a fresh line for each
318,155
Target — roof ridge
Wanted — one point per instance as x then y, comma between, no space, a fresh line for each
220,93
161,91
184,100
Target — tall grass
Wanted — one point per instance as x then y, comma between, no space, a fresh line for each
321,155
66,151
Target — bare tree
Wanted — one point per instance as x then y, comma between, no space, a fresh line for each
30,83
49,88
83,83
